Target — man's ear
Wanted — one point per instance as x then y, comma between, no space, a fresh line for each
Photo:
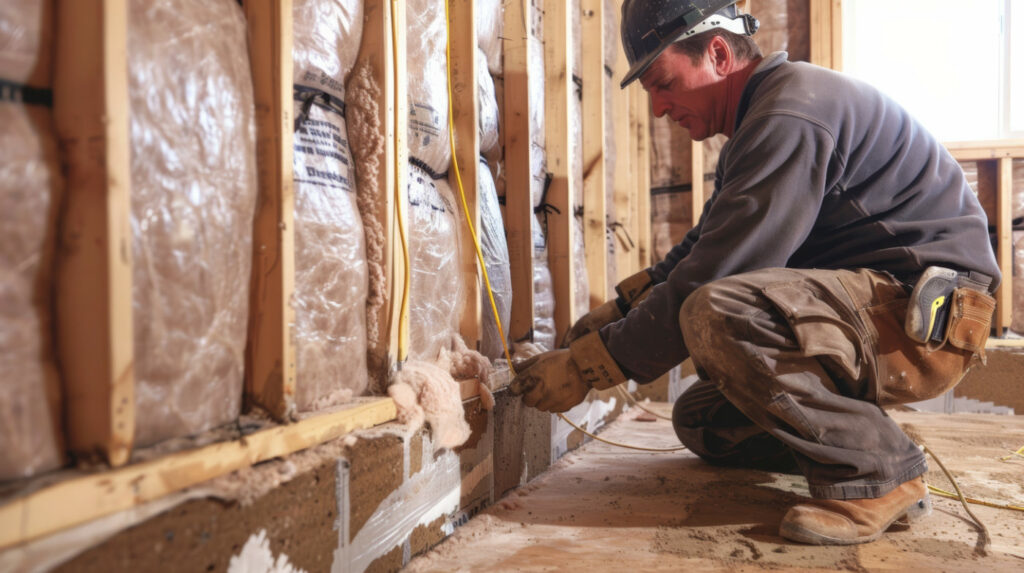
721,55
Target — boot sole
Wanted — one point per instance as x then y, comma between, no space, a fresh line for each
918,510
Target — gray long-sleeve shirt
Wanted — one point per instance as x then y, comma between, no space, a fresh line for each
822,171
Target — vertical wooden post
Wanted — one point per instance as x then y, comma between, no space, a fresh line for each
594,181
643,241
383,54
270,353
465,110
826,33
637,103
94,262
623,192
558,41
518,202
1004,247
696,180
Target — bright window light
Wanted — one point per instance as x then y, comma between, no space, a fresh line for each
945,61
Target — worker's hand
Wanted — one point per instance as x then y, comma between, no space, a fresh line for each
607,313
550,382
558,380
631,290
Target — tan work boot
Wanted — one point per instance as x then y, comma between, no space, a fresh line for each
850,521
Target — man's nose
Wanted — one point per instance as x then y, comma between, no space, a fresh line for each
658,105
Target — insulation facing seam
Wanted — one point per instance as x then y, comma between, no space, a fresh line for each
30,435
193,178
330,247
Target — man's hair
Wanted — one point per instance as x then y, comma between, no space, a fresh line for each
743,47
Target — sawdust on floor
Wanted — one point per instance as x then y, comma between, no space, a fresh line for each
603,508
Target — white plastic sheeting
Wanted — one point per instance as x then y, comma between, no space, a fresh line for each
30,440
428,91
437,289
193,196
489,24
581,295
543,290
495,251
330,248
488,106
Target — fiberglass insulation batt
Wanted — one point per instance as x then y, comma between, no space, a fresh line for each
29,391
543,289
433,222
492,228
192,200
330,247
581,296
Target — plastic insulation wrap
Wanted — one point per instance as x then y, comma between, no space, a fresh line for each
543,290
436,284
610,85
428,90
30,433
490,21
538,156
330,248
193,171
496,259
581,294
488,110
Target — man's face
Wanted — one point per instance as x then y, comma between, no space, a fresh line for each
688,93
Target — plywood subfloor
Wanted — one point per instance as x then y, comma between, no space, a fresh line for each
603,508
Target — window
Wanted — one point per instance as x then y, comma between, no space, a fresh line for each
953,64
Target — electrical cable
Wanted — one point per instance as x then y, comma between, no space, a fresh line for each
403,312
985,538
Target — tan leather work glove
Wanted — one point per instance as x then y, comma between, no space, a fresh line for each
558,380
631,291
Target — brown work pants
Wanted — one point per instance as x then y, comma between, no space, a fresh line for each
795,365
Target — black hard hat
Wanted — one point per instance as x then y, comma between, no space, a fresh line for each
650,26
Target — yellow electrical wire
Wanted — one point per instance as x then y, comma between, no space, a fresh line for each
403,312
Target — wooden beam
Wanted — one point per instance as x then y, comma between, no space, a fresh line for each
518,169
643,241
981,150
94,261
837,35
1004,245
826,47
594,169
623,192
84,498
270,353
637,102
558,42
465,110
697,181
